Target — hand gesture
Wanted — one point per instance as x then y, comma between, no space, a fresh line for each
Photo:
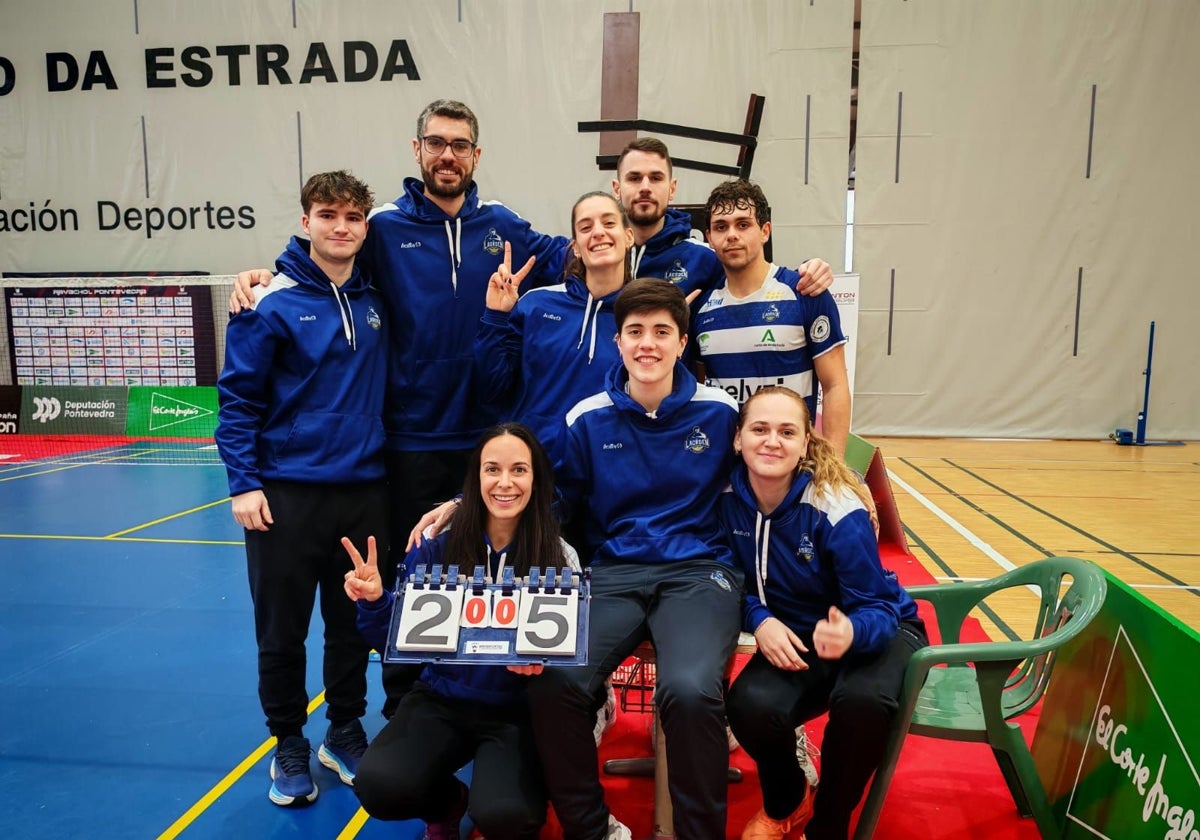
363,582
434,521
833,636
242,296
815,277
780,645
503,286
251,511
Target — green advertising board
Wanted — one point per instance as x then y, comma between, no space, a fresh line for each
176,412
50,410
1118,741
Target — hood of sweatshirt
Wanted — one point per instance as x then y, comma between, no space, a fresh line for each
577,292
414,204
296,264
683,388
788,510
677,226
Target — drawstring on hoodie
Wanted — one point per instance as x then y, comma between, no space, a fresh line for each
762,541
347,316
454,239
595,315
487,558
635,258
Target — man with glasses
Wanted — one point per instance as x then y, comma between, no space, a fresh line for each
431,252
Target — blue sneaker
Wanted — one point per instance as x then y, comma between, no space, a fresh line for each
342,749
291,781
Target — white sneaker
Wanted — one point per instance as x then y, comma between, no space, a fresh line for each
607,715
805,753
617,830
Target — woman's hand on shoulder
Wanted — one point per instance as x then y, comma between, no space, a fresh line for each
780,646
435,521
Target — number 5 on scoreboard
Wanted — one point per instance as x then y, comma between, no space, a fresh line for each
429,620
548,623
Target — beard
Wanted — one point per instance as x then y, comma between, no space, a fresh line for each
645,216
442,190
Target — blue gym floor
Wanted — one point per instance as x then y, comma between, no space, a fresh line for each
128,660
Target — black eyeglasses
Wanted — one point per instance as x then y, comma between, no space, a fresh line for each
436,145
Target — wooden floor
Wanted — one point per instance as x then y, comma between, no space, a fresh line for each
974,508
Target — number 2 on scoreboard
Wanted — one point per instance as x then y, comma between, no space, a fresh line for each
430,620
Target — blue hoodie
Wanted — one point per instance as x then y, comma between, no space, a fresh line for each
555,348
671,254
433,271
820,552
493,685
302,388
649,482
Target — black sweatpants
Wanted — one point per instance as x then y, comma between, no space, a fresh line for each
861,694
408,770
287,565
416,483
691,611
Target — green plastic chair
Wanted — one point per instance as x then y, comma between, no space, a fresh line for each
945,697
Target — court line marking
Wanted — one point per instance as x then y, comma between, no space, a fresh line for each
1150,567
118,539
951,579
206,506
232,777
998,558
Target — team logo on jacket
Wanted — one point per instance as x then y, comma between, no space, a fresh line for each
677,273
771,313
373,319
493,243
805,549
820,329
697,441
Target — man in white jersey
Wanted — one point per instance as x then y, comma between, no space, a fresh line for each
754,329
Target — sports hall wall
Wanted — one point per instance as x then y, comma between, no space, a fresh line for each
1022,168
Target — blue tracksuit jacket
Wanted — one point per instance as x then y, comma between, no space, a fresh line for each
302,389
555,348
649,483
819,552
433,271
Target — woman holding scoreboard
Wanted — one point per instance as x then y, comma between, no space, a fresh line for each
461,713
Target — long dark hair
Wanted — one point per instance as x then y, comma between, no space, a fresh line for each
575,266
536,540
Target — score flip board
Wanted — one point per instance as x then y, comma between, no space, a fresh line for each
446,617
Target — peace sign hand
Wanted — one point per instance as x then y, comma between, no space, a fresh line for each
504,286
363,582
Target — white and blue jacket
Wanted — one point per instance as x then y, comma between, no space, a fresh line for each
671,254
812,552
648,482
433,271
769,337
555,348
302,389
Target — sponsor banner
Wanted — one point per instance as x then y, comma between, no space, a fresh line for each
845,292
89,411
10,409
1118,740
172,412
